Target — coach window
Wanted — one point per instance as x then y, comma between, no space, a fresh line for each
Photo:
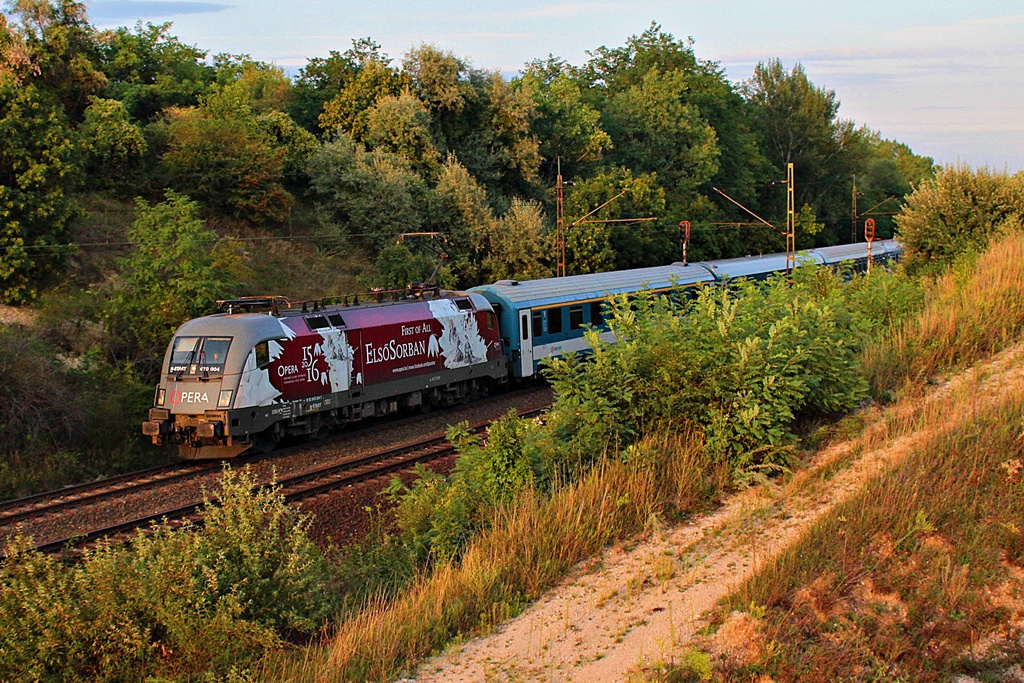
596,313
554,320
538,324
576,317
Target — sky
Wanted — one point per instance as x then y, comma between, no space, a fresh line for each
946,78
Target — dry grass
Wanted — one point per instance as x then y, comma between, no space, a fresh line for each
531,546
973,312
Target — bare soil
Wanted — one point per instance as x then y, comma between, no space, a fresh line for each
642,603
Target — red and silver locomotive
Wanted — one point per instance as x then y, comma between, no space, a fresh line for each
238,381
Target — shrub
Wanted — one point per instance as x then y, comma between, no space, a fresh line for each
175,604
958,210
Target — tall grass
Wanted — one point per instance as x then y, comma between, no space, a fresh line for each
533,542
975,309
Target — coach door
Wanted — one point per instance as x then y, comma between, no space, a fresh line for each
525,344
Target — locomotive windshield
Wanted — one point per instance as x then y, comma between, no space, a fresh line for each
199,355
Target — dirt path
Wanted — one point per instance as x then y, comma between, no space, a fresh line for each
636,606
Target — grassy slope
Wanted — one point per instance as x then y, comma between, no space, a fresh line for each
920,577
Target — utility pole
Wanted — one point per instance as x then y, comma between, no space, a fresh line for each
560,222
853,213
790,221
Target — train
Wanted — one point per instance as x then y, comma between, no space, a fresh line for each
240,380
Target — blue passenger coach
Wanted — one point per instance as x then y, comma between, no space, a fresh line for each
543,318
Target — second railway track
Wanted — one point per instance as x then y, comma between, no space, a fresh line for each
295,488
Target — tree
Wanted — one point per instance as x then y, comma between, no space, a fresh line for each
178,271
113,146
38,171
655,131
219,154
798,123
597,247
567,126
348,112
323,78
402,125
149,70
61,51
370,196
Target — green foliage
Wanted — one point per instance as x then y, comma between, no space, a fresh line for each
741,363
402,125
57,52
178,271
656,131
148,70
323,79
960,209
349,111
595,246
438,515
219,154
176,604
372,196
39,168
112,145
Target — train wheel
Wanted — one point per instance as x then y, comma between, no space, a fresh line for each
263,442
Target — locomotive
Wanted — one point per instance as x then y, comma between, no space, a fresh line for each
240,380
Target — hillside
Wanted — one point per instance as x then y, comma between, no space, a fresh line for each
643,608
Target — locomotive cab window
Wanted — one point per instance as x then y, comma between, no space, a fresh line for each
213,354
464,304
183,352
336,319
198,355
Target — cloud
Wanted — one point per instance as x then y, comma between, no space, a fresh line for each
129,10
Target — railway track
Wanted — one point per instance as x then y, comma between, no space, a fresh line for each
21,509
294,488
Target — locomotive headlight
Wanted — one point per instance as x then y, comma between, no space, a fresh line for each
161,394
225,399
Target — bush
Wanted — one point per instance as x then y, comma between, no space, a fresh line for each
958,210
175,604
740,362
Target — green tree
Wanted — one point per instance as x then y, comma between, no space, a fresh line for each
655,131
149,70
597,246
178,271
349,111
322,79
62,51
113,146
370,196
219,154
38,170
569,128
402,125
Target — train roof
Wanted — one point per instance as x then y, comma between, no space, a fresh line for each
554,291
